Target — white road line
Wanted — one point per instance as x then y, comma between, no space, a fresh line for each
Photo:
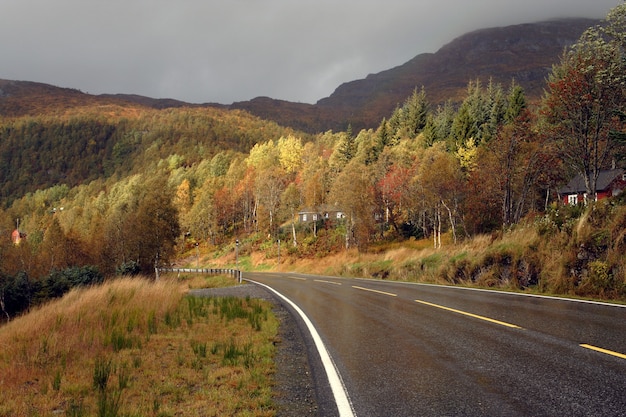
521,294
327,282
376,291
344,405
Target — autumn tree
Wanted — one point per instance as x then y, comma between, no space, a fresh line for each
268,188
352,192
315,181
521,157
153,227
182,198
586,93
290,151
394,189
442,182
290,201
202,218
483,206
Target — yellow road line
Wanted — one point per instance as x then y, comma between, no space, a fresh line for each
376,291
465,313
327,282
608,352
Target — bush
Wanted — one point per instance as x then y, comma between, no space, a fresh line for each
599,279
20,292
130,268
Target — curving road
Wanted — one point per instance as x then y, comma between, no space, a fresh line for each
421,350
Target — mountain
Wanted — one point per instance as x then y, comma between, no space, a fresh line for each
523,52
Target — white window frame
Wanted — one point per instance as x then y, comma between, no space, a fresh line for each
572,199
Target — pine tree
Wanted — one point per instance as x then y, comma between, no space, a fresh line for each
516,103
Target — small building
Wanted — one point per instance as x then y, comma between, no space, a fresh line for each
610,183
323,212
17,236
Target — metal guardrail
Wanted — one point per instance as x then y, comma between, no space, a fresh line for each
211,271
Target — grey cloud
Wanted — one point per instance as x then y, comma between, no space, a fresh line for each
225,51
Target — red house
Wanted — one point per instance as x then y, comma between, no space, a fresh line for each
610,183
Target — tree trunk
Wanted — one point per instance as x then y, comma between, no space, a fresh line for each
4,307
451,219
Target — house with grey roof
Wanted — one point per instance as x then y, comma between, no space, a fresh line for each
610,183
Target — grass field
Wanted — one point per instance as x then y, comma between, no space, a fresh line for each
133,347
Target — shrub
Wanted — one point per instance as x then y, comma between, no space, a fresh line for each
599,279
130,268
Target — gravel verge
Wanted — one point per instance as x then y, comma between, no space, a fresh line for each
294,390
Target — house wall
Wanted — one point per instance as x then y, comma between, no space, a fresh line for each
581,197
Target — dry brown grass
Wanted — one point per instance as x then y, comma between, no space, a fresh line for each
171,360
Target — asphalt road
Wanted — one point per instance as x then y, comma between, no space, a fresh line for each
419,350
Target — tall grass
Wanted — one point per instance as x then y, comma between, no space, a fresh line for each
568,252
136,347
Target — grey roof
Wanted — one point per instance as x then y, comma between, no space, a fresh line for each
605,178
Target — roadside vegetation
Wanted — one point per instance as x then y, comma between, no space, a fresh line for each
570,251
135,347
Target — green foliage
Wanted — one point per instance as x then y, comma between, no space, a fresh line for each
199,348
233,355
101,373
20,292
108,400
40,153
129,268
56,382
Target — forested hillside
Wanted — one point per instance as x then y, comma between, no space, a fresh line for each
97,142
122,189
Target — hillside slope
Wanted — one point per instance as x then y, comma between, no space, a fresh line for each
524,52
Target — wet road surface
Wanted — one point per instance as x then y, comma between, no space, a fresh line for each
420,350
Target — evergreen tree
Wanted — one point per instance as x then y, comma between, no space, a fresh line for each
438,127
416,111
472,119
497,107
516,103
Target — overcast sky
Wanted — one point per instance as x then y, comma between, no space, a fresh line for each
232,50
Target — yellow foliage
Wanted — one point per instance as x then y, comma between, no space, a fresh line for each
467,155
290,152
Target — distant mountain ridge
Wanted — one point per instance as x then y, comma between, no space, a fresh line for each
523,52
